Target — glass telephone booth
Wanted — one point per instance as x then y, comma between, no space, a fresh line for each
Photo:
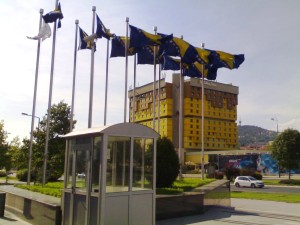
110,175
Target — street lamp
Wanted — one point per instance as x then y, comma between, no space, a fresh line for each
276,120
30,147
39,119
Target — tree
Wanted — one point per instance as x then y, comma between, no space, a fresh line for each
5,159
167,163
60,115
286,149
19,153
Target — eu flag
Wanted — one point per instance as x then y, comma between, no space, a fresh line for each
145,55
174,46
85,44
140,38
118,47
101,30
52,16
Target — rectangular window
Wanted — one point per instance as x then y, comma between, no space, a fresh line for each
118,162
70,164
96,159
142,164
82,146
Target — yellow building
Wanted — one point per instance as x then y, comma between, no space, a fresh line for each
220,114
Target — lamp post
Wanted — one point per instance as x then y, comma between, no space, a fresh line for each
276,120
39,119
30,148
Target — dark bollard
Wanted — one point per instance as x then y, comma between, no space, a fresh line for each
2,203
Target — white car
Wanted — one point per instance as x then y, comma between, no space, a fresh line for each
248,181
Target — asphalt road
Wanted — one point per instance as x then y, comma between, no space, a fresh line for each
269,189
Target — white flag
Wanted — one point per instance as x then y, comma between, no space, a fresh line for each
45,32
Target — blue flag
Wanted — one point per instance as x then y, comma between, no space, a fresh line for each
145,55
101,30
83,44
140,38
169,63
190,70
221,59
118,47
52,16
174,46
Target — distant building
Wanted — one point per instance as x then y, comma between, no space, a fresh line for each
220,104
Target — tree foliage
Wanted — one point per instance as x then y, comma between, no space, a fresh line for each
167,164
59,124
5,161
286,149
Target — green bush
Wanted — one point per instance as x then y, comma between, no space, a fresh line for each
290,182
167,167
250,172
257,175
231,173
22,175
219,175
2,173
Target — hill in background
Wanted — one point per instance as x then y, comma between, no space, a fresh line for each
254,136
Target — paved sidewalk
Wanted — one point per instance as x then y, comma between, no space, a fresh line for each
245,212
11,219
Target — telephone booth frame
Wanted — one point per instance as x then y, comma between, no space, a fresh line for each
110,176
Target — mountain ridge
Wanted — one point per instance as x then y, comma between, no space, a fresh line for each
249,135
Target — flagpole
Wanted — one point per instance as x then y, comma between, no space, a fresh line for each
154,80
158,93
134,86
49,101
180,152
90,117
180,120
202,133
106,81
74,75
34,98
126,69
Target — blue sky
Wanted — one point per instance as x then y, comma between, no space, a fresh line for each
266,31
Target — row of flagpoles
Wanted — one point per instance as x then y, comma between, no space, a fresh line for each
170,53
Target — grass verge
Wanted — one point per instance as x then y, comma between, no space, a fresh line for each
51,188
278,197
179,186
183,185
290,182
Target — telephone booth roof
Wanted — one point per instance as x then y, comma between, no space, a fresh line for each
120,129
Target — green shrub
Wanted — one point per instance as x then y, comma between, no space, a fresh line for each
250,172
2,173
257,175
167,167
22,175
290,182
231,173
219,175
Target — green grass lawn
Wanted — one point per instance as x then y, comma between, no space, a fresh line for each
183,185
290,182
179,186
278,197
51,188
9,178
